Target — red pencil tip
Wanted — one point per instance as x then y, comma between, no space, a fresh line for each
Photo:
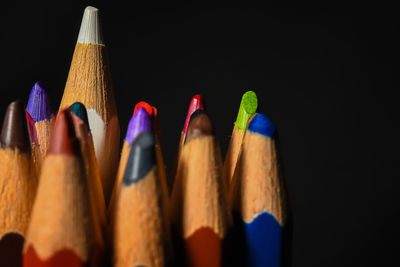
146,106
31,128
63,138
196,103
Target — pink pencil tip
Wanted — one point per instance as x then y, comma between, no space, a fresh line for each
196,103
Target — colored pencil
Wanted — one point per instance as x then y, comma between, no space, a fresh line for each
39,108
81,125
139,230
248,107
196,103
36,154
18,183
199,208
140,122
63,230
257,196
89,82
153,113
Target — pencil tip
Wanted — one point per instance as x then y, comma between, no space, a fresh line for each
79,110
31,128
198,126
63,138
140,122
90,31
248,107
15,133
39,103
262,124
141,158
197,102
146,106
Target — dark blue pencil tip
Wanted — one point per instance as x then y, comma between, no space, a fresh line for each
39,104
141,158
79,110
263,125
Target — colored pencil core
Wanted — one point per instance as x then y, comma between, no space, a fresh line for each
140,122
11,245
198,126
146,106
15,132
263,125
248,106
39,104
196,103
62,258
31,128
264,240
141,158
204,248
90,31
79,110
63,139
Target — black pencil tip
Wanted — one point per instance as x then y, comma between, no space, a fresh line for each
15,133
141,158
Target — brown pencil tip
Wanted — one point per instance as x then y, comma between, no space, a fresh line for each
198,126
15,133
63,138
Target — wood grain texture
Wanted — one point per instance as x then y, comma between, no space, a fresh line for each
92,173
232,154
198,198
256,185
62,216
89,82
139,227
120,174
18,184
43,131
37,157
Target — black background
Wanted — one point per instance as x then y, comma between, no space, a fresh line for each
325,76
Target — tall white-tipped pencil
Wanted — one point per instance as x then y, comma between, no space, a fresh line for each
89,82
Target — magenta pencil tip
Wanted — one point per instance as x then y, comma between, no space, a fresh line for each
196,103
39,104
140,122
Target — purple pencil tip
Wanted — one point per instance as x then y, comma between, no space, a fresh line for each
39,104
140,122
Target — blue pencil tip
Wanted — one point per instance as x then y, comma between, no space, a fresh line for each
79,110
263,125
39,104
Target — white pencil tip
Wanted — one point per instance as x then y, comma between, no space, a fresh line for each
90,32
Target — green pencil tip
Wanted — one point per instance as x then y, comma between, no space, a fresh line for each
248,106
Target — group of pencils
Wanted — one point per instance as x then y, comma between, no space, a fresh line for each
69,197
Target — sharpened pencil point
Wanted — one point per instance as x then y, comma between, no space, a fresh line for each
141,158
263,125
63,138
79,110
198,126
31,128
39,104
140,122
146,106
248,106
15,133
196,103
90,32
